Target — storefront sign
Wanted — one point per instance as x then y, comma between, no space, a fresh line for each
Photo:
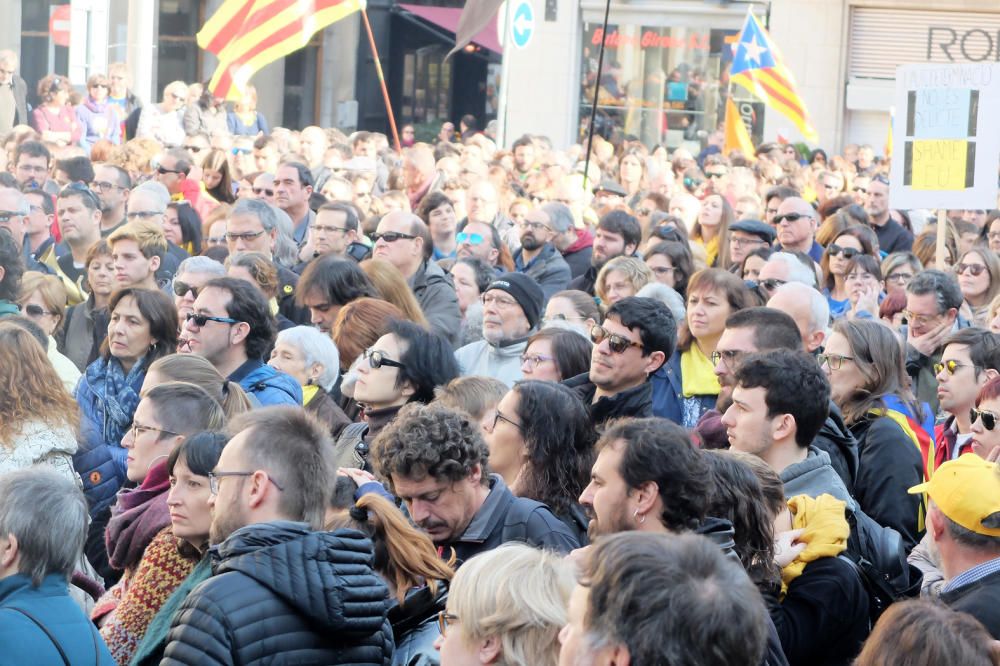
950,155
650,39
975,45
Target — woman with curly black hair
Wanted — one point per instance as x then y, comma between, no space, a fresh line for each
542,444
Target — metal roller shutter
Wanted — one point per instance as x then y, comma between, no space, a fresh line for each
882,39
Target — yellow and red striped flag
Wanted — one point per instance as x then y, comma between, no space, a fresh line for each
246,35
736,136
759,67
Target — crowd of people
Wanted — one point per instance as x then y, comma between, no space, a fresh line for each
275,396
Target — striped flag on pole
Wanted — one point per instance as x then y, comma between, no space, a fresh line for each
246,35
759,67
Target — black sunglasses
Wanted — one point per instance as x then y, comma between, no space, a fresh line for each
181,289
33,310
989,418
788,217
377,359
771,284
266,192
162,170
619,344
200,319
848,252
392,236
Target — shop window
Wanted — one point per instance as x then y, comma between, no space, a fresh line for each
426,85
178,57
39,57
662,85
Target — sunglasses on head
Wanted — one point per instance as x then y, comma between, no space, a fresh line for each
619,344
847,252
989,418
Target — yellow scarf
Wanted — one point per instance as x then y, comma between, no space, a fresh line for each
697,373
711,248
309,392
826,532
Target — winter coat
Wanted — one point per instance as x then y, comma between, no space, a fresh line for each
636,402
24,642
584,282
99,120
41,444
541,528
280,593
329,413
890,465
415,627
978,599
548,269
667,384
484,359
435,293
85,330
267,385
578,254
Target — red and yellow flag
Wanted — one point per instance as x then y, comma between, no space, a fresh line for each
246,35
736,135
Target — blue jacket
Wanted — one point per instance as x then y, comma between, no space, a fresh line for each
25,643
668,395
266,385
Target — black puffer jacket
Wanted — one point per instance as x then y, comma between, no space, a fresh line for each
837,440
280,593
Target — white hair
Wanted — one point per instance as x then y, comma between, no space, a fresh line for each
154,189
663,293
819,307
315,348
200,264
797,271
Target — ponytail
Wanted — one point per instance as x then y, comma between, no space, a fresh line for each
235,400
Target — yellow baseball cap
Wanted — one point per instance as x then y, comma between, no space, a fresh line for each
967,491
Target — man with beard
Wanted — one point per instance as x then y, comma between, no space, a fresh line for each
538,257
268,511
618,233
512,306
434,459
111,185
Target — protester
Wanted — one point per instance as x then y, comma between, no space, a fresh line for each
575,310
978,273
43,301
554,354
969,361
311,358
476,396
86,323
327,285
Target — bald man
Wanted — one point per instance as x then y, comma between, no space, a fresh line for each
809,309
403,240
796,225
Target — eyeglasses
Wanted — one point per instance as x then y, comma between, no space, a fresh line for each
740,242
498,416
263,191
534,226
643,211
322,228
619,344
663,270
247,236
790,217
104,186
497,301
919,320
715,174
771,284
200,319
8,215
377,359
100,85
975,269
142,214
730,356
901,278
993,235
392,236
162,170
833,360
989,419
951,366
241,151
847,252
193,149
213,480
33,310
531,361
216,240
181,289
444,620
137,430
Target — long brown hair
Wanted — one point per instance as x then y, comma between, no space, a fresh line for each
403,554
30,388
197,370
869,246
722,260
359,325
878,355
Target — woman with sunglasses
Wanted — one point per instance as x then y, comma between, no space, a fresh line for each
142,328
87,322
986,421
54,118
506,606
864,362
978,272
43,301
541,442
188,468
139,538
98,118
848,244
405,365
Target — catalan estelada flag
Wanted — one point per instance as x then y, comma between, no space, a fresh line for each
736,135
248,34
759,67
919,429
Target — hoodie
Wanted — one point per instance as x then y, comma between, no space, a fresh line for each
501,361
267,385
815,476
281,593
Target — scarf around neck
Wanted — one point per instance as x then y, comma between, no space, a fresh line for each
117,392
137,517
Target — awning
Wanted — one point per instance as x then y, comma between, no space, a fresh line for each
447,18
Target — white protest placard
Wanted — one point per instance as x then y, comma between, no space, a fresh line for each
947,141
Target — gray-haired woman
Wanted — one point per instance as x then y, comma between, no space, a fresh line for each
312,359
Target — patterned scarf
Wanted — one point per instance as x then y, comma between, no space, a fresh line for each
138,516
117,392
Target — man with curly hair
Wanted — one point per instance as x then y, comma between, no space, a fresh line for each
435,460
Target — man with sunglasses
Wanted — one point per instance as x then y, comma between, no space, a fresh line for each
538,258
404,241
268,506
192,275
173,171
970,358
232,327
480,240
892,237
637,337
796,223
